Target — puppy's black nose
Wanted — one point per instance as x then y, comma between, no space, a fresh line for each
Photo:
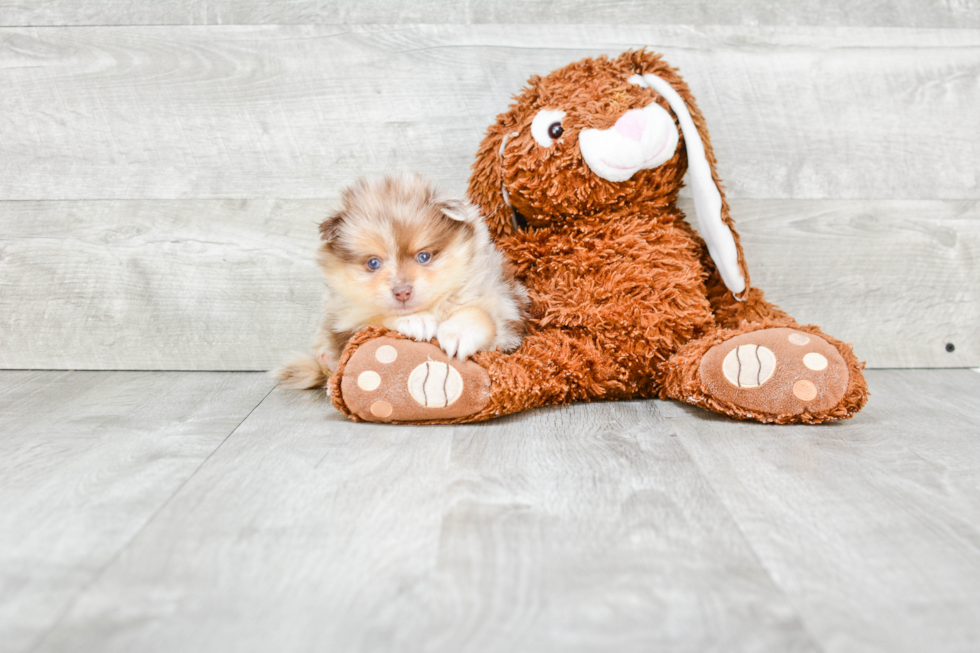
402,293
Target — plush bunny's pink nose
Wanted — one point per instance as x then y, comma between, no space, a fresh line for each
631,124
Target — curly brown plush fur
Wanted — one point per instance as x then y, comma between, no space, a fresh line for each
626,298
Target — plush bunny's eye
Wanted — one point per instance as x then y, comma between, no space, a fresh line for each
546,127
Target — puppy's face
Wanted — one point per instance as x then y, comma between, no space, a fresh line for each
396,247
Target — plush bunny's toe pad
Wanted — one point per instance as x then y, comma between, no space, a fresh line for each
778,371
397,380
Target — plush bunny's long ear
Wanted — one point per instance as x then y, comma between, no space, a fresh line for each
486,186
707,197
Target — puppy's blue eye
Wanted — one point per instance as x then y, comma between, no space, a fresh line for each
423,257
374,263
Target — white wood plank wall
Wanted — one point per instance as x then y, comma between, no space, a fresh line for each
828,13
163,165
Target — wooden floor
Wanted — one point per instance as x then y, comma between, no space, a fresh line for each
196,511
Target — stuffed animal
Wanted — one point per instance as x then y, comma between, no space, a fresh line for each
578,182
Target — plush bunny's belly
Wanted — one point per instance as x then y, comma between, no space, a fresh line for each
633,288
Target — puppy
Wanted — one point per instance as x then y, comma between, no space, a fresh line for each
400,255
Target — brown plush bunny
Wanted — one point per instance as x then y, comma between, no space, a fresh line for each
578,182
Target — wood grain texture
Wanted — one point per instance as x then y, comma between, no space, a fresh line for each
295,111
86,460
583,529
624,526
225,285
873,13
900,280
870,525
218,285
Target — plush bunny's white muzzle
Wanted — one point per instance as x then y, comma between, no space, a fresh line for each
641,139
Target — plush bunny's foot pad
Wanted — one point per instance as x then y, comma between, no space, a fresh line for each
397,380
777,371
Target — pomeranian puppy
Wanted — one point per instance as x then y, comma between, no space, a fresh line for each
401,255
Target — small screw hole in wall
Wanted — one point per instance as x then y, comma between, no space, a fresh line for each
950,347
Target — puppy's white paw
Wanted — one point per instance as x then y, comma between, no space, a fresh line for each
420,326
459,338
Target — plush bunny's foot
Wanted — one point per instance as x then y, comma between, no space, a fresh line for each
780,372
398,380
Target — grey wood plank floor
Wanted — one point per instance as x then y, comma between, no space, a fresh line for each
871,527
198,511
86,460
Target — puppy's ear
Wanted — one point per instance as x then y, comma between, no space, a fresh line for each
458,210
330,228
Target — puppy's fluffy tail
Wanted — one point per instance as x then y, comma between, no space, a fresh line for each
301,372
